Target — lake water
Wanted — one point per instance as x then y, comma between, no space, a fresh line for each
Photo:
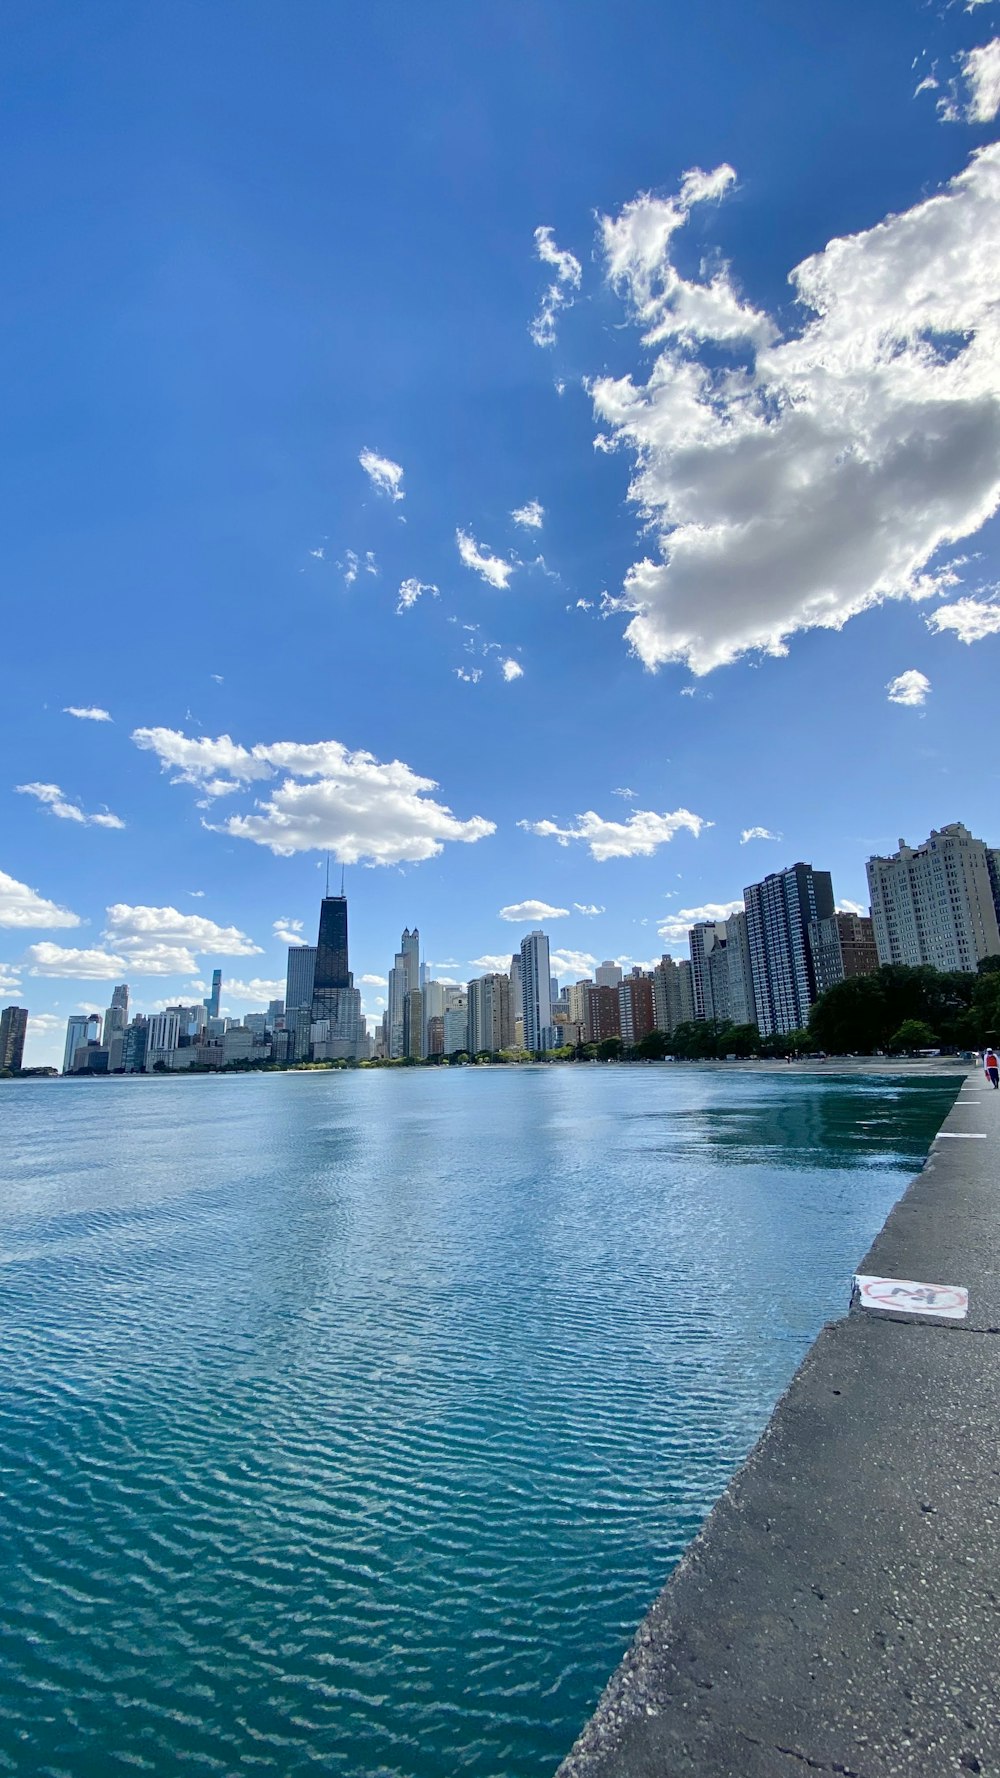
350,1422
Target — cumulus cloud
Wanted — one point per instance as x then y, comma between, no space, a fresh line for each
850,907
384,474
477,557
909,688
21,907
10,978
322,797
163,941
375,981
576,964
559,294
638,837
971,619
796,481
531,910
410,591
531,515
86,712
57,960
981,73
583,907
57,802
289,932
511,669
757,833
256,992
492,963
674,929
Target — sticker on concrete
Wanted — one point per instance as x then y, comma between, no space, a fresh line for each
911,1298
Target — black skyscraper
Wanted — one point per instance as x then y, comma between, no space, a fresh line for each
332,975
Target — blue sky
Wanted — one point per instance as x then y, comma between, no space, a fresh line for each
301,306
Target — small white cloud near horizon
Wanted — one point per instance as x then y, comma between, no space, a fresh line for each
476,556
531,515
559,294
625,793
588,908
10,978
288,932
410,591
909,688
638,837
375,981
844,906
512,669
87,712
970,619
22,908
492,962
520,911
757,833
47,959
577,964
58,804
675,928
384,475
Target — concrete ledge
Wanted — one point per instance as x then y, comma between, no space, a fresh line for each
840,1609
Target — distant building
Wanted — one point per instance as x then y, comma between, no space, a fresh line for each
299,978
275,1014
673,995
936,903
338,1026
162,1036
413,1024
742,1010
635,1006
602,1016
116,1017
456,1024
842,946
211,1004
489,1014
607,974
134,1046
435,1035
539,1032
256,1022
13,1027
81,1029
779,913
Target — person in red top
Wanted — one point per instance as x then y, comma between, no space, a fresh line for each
992,1067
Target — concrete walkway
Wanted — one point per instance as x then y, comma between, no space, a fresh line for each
840,1610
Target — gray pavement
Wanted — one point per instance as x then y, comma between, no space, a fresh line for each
840,1609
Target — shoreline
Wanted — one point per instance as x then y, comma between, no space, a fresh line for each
918,1067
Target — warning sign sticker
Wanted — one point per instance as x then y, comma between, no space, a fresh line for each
912,1298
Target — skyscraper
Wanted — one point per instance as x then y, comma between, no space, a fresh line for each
13,1025
709,969
81,1028
673,997
841,947
537,993
338,1029
489,1014
116,1017
607,974
779,911
935,903
299,978
211,1004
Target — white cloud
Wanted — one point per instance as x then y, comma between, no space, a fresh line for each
349,567
623,791
970,619
820,473
44,1040
492,963
674,929
512,670
24,907
10,978
410,591
384,474
255,992
289,932
472,677
588,908
531,910
909,688
328,799
318,554
577,964
56,960
981,73
637,837
56,801
163,941
850,907
492,568
558,294
375,981
583,605
198,894
531,515
86,712
757,833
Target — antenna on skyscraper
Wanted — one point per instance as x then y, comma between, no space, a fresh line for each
341,881
328,874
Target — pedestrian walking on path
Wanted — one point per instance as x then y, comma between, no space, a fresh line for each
992,1067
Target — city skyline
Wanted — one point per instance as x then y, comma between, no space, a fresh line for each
616,595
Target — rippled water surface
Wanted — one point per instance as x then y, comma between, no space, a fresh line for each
349,1423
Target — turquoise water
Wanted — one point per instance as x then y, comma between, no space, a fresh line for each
349,1423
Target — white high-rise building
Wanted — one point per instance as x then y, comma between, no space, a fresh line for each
608,974
742,1010
536,989
163,1033
81,1028
936,903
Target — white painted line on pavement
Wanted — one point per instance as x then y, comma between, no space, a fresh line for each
960,1136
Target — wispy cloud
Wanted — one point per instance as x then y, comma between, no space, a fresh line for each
638,837
58,804
909,688
588,908
289,932
410,591
384,475
970,619
86,712
520,911
757,833
531,516
477,557
559,294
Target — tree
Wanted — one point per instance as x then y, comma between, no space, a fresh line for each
609,1049
913,1034
653,1047
739,1040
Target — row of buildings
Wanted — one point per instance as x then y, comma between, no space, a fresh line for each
765,965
